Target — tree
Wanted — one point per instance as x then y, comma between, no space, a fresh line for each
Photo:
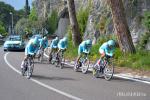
121,27
2,30
27,9
33,15
76,35
52,22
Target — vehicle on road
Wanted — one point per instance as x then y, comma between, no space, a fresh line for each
83,64
103,69
14,42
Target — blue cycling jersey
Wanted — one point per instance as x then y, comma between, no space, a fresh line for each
54,43
108,51
83,48
31,49
43,43
62,44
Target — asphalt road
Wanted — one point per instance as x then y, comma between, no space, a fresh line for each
51,83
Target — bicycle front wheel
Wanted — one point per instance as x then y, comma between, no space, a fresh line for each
108,71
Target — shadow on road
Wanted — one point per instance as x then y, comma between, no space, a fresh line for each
51,78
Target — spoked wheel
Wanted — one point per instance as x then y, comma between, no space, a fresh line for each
51,59
23,71
28,73
77,66
62,63
108,71
30,68
97,70
57,61
40,58
85,66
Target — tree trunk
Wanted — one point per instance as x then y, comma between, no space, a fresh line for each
76,36
121,26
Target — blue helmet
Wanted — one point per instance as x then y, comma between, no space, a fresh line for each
45,38
35,41
111,43
65,39
56,38
89,42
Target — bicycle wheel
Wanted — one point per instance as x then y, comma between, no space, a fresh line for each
41,56
32,66
108,71
23,70
76,66
85,66
62,63
28,72
97,70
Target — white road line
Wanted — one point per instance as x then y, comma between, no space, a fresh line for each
42,84
118,75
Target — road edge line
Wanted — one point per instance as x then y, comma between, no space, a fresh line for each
40,83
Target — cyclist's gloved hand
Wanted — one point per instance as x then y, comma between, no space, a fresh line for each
31,54
109,56
86,51
55,47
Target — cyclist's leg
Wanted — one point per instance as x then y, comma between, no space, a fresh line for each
50,54
80,51
102,55
25,58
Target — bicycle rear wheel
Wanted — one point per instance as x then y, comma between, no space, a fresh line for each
76,66
108,71
85,66
62,63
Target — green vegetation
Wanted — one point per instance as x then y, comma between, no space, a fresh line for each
33,15
145,36
52,22
71,52
82,17
146,20
5,16
143,41
140,60
2,30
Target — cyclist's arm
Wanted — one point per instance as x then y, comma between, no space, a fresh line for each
108,53
46,43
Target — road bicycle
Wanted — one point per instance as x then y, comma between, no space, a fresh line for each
60,59
103,68
28,66
54,58
83,64
41,55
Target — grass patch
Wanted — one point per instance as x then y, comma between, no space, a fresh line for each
140,60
